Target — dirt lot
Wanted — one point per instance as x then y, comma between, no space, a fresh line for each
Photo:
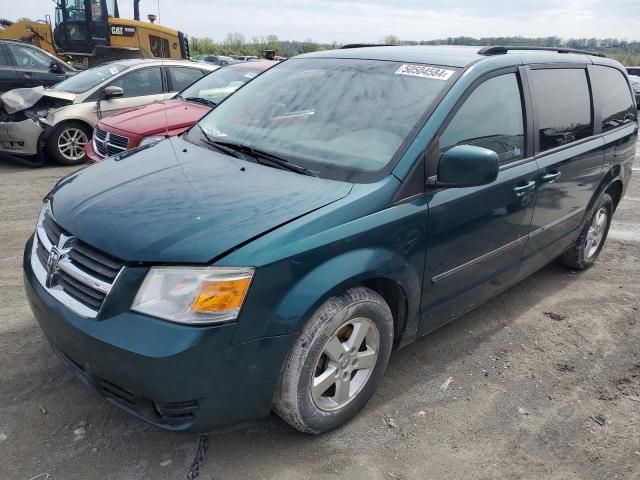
542,382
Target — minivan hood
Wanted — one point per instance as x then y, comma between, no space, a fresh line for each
191,206
157,117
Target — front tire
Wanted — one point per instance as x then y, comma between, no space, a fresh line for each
336,363
587,248
68,142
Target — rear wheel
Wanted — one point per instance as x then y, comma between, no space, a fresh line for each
68,142
585,251
336,363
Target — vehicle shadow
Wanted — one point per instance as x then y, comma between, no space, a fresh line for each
39,382
10,163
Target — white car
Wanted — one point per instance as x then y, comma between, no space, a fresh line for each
635,86
59,120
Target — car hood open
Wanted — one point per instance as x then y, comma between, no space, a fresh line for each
176,202
157,117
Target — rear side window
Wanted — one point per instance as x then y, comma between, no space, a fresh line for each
562,106
182,77
612,90
490,118
145,81
4,58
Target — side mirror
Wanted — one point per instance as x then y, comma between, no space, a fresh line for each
55,67
112,92
467,166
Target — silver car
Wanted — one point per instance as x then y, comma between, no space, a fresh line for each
59,120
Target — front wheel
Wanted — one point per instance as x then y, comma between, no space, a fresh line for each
336,362
68,142
585,251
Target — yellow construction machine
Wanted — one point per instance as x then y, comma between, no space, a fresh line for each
91,32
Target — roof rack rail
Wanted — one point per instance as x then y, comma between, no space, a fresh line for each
362,45
500,49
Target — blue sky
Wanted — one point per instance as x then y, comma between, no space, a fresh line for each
370,20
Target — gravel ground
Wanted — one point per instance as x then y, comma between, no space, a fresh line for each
541,382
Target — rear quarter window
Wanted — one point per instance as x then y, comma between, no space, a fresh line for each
562,106
182,77
613,94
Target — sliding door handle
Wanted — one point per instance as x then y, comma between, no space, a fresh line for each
551,176
520,190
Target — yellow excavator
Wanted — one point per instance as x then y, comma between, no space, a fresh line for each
91,32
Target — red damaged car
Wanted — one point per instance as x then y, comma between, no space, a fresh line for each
153,122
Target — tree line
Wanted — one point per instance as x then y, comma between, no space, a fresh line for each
625,51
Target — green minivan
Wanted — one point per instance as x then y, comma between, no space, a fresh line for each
342,205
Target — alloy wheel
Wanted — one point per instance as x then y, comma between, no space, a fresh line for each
345,364
596,232
72,143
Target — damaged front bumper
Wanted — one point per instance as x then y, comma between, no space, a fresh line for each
21,138
25,118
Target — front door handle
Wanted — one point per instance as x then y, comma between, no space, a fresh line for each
551,176
522,189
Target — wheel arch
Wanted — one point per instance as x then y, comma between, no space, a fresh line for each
611,183
615,191
384,271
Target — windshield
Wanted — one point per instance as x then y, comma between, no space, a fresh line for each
340,118
88,79
221,83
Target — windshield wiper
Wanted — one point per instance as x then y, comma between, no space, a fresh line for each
264,157
220,145
201,100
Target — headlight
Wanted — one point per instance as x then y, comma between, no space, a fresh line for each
193,295
150,140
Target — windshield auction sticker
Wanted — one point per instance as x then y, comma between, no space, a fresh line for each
424,71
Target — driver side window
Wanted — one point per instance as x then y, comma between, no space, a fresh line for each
29,57
491,117
145,81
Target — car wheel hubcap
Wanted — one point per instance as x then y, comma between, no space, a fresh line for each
72,143
345,364
596,231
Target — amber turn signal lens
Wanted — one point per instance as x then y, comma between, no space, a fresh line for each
216,296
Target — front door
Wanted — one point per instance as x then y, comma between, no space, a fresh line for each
8,74
140,87
570,159
476,235
33,66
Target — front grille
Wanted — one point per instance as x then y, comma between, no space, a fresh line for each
84,275
107,144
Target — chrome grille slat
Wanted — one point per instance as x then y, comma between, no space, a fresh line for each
90,266
95,295
99,257
84,275
107,144
70,269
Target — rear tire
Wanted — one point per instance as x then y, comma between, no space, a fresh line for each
587,248
67,143
336,363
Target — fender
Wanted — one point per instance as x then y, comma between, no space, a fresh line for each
608,179
330,278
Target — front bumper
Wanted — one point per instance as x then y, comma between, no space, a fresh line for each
20,138
190,379
90,154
